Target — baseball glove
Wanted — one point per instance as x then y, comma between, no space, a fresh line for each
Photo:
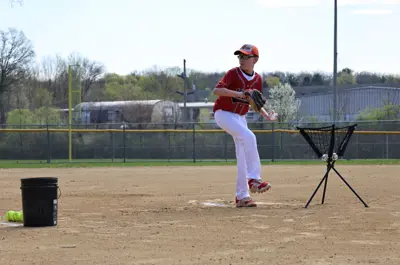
256,99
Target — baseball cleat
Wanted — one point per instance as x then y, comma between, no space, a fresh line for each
258,186
245,202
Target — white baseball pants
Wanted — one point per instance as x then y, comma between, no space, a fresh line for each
247,156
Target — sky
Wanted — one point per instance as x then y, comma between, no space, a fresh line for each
291,35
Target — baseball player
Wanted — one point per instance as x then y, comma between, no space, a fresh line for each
229,112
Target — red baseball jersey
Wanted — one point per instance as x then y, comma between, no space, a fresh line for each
235,79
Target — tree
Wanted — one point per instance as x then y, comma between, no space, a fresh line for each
122,88
86,74
162,84
89,71
347,71
317,79
388,112
304,78
272,81
283,101
16,57
42,98
345,78
281,76
293,79
369,78
392,79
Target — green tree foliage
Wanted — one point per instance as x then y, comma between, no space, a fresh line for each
345,78
42,98
19,116
388,112
123,88
40,116
162,84
272,81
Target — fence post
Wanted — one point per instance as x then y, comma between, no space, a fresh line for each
273,142
169,146
123,142
358,147
113,146
387,145
194,143
48,145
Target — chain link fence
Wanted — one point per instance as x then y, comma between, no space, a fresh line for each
197,142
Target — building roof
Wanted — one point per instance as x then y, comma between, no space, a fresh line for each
318,90
201,104
116,104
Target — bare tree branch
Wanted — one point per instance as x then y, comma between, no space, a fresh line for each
16,58
88,71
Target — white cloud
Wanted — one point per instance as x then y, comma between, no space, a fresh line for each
373,12
310,3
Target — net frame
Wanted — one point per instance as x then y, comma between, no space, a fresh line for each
332,146
328,140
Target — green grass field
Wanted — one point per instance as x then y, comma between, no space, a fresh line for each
139,163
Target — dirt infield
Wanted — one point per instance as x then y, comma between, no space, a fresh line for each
186,215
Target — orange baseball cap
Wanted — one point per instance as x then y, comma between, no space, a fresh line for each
247,49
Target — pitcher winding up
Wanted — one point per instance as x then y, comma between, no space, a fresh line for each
239,88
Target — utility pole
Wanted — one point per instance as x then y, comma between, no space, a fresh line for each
184,93
335,64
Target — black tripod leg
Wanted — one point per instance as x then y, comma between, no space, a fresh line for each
329,167
319,185
348,185
326,183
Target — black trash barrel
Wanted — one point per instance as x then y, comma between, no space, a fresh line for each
39,201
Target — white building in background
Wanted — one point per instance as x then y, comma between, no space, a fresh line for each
351,101
314,104
131,111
